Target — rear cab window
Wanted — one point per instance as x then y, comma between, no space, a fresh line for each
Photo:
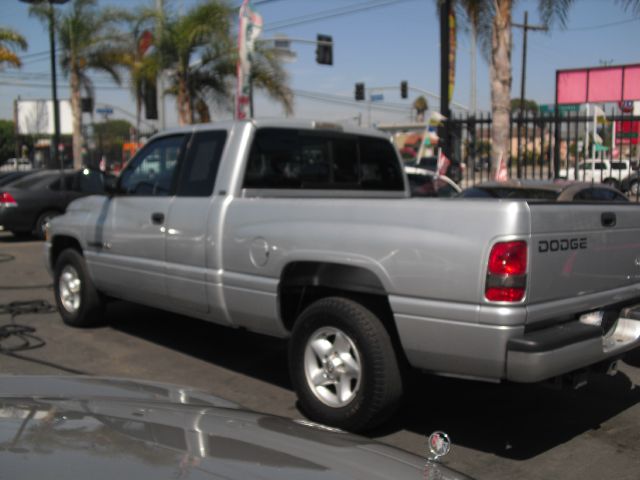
320,160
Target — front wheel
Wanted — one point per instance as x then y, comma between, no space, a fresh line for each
634,187
343,365
78,301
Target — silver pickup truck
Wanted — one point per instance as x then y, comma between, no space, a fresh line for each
307,230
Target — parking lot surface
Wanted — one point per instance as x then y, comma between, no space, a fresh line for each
504,431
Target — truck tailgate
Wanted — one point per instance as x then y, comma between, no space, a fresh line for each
582,249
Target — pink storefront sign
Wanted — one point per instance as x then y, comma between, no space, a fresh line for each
600,84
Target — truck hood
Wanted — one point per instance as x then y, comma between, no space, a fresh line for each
87,427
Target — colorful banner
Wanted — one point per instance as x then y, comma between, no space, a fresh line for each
249,29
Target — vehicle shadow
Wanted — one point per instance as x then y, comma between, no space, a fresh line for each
9,238
222,346
508,420
515,421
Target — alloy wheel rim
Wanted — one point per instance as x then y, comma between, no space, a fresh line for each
70,287
332,367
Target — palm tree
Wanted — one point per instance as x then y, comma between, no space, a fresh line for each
491,22
181,39
88,42
199,55
9,41
142,68
268,74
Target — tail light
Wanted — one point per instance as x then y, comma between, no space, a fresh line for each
7,200
507,272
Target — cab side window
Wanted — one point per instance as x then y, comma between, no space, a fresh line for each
200,167
307,159
152,171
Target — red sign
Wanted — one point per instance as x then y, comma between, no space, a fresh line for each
627,132
598,84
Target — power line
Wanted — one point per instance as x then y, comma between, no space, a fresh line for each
336,12
602,25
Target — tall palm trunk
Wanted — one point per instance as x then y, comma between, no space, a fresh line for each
500,72
76,111
185,112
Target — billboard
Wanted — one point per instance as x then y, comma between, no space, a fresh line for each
598,84
35,117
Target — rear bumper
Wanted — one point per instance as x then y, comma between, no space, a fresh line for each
447,343
560,349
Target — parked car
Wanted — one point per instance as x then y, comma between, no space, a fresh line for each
631,184
9,177
96,427
544,190
14,164
427,183
610,172
305,231
27,204
455,170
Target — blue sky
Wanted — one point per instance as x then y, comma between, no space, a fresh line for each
380,46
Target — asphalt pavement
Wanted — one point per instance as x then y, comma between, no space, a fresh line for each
499,431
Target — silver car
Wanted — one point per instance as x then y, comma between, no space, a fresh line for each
91,427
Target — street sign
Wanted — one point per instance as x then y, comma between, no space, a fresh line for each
377,97
104,110
550,108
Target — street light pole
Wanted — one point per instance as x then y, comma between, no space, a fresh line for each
57,160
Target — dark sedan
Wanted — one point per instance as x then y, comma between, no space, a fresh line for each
546,190
10,177
27,204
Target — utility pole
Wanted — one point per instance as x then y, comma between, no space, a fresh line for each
525,27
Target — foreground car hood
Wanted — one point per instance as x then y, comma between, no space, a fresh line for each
86,427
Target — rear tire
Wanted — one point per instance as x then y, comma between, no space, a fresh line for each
343,365
39,229
78,301
612,182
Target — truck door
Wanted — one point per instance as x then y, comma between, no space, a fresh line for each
130,233
192,241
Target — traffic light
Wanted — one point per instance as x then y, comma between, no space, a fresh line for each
324,50
359,91
404,89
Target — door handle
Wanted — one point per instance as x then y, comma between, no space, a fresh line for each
157,218
608,219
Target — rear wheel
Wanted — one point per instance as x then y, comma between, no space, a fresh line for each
41,223
78,301
612,182
634,187
343,365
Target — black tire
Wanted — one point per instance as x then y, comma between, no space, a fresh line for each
634,187
380,383
612,182
90,306
41,222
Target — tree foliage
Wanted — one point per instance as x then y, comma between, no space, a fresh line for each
7,139
10,41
